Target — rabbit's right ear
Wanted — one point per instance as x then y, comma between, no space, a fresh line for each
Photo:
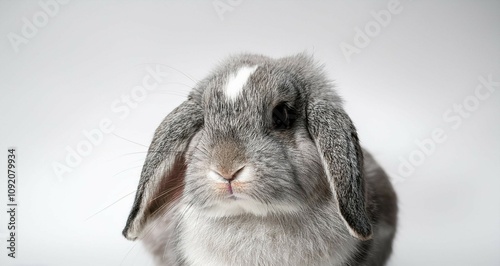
162,176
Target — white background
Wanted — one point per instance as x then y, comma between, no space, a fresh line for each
63,80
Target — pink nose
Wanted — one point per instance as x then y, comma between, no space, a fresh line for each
230,176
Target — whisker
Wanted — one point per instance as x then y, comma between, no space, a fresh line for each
189,205
178,83
128,253
137,152
172,93
128,169
172,204
118,136
166,192
184,74
160,218
110,205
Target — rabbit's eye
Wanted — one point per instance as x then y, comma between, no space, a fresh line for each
283,116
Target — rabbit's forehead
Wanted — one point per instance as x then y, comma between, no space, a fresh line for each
236,81
249,85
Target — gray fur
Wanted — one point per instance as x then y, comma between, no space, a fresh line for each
312,196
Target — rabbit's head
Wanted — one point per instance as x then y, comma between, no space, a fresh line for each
258,136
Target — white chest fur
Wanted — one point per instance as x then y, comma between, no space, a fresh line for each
251,240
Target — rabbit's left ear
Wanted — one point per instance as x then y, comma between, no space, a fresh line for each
338,146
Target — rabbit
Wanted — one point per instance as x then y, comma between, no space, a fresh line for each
261,165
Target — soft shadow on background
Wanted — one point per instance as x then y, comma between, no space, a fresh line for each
422,86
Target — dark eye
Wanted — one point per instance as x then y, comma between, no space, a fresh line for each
283,116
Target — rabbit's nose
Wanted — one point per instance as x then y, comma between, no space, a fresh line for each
230,176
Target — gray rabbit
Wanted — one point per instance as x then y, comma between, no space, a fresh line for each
262,166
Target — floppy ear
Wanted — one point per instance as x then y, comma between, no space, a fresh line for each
162,176
338,145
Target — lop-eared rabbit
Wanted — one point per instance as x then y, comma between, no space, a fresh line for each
261,165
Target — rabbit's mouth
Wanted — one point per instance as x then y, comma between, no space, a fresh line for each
243,204
230,188
233,205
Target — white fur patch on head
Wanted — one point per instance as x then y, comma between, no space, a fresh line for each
236,82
